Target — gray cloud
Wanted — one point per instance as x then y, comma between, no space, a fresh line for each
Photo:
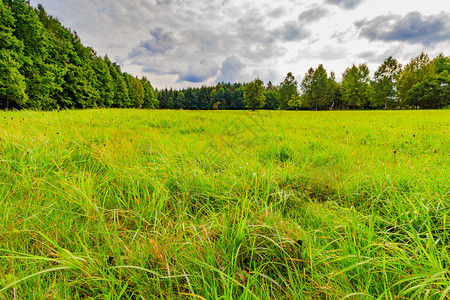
312,14
252,27
368,55
292,31
254,39
332,53
199,71
277,12
159,43
345,4
397,52
231,69
413,28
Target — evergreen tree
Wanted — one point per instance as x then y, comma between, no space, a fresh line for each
319,90
181,100
150,98
104,83
288,88
237,99
119,87
139,92
355,87
170,103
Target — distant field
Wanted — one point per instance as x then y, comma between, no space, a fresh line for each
153,204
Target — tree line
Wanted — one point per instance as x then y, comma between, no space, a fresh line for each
421,84
44,65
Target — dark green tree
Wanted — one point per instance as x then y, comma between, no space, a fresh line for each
181,100
237,99
433,89
355,87
139,92
288,88
104,83
418,68
272,99
384,93
12,82
204,98
170,103
254,94
150,98
319,90
120,88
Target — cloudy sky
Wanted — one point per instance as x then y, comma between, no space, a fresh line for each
180,43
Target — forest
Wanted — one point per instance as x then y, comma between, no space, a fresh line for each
44,66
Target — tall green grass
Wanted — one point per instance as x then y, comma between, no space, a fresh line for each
137,204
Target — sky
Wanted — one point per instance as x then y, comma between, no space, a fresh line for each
189,43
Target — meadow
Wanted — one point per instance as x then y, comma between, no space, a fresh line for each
164,204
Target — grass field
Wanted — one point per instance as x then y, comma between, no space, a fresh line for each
152,204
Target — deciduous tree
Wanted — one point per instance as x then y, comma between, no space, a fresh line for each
383,85
254,94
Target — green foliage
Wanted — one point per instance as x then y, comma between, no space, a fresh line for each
418,68
288,88
170,103
12,83
237,99
120,89
383,85
320,91
181,100
150,98
295,101
139,92
103,83
254,94
272,99
355,87
55,69
425,84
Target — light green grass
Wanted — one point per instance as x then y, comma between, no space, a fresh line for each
138,204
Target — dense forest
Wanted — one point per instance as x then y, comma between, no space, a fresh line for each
44,65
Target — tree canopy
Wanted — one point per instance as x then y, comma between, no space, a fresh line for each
44,65
254,94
